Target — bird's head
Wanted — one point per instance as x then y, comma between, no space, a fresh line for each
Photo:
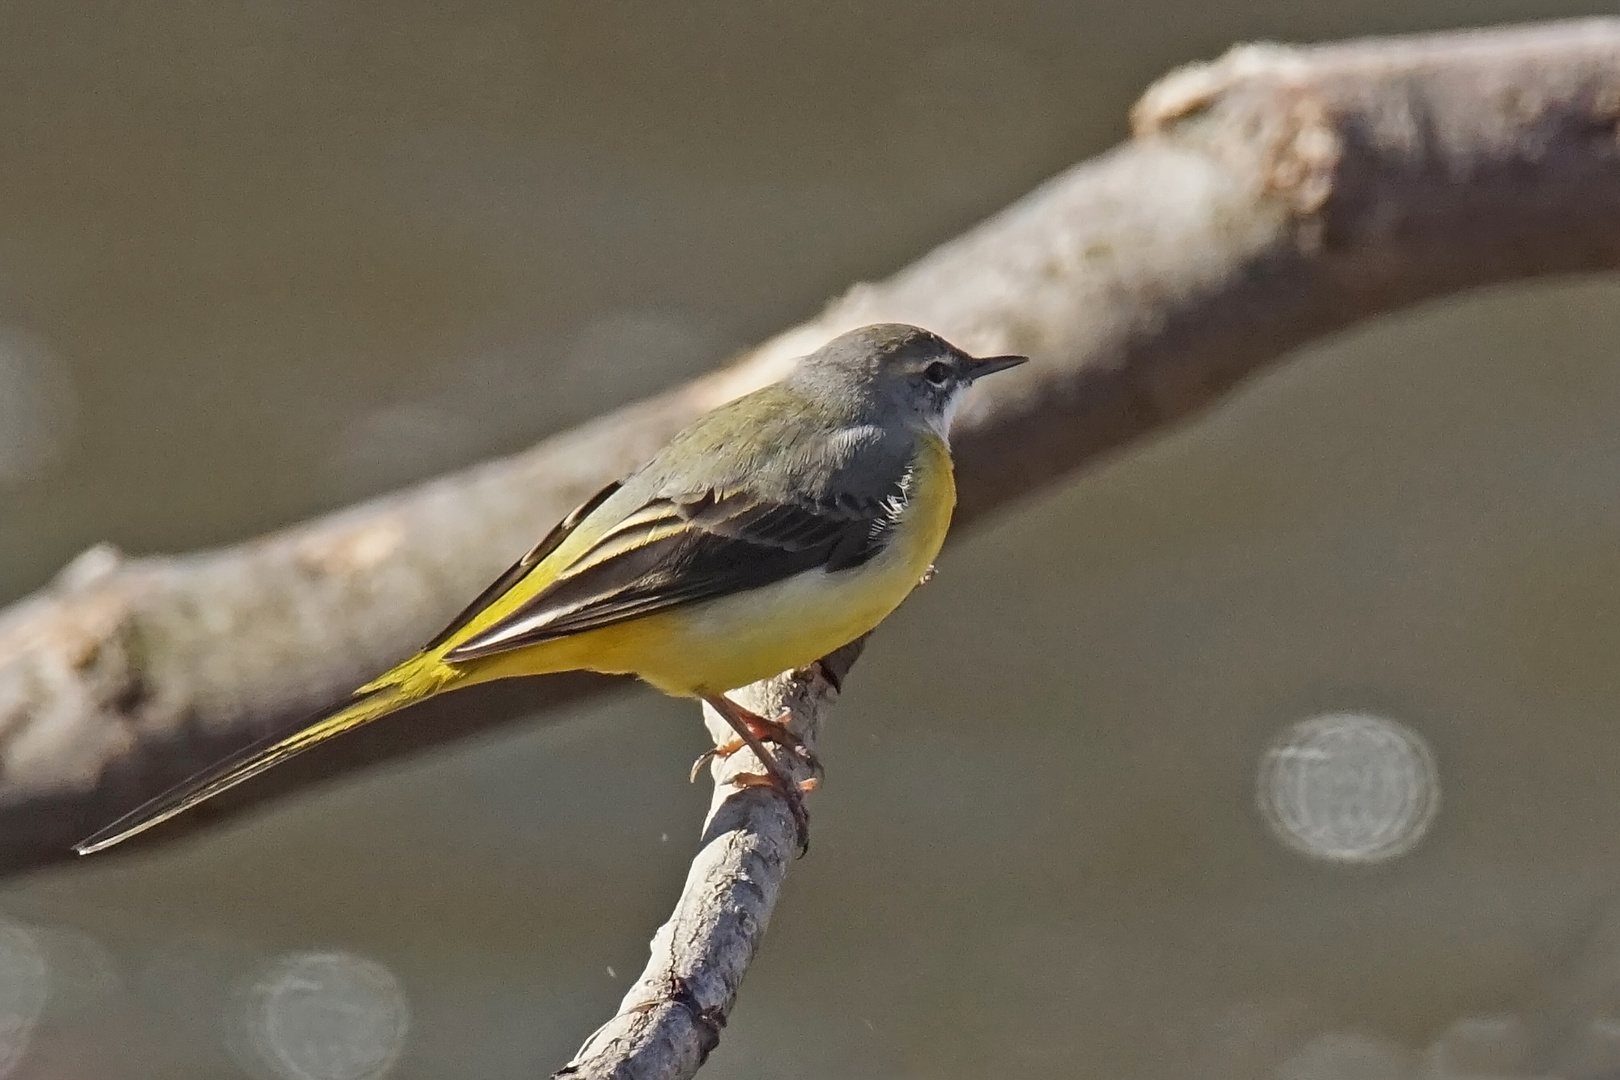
896,373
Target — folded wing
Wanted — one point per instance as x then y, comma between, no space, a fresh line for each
683,550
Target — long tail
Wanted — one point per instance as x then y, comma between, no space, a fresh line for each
252,761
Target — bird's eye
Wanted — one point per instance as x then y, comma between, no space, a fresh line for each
937,373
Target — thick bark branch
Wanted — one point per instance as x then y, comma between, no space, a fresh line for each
1270,197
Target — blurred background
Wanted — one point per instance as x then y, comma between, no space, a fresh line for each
1292,750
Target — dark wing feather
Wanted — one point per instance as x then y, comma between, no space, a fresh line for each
515,572
720,545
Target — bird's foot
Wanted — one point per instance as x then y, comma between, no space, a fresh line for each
769,731
754,731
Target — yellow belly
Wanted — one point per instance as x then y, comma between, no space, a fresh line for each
716,646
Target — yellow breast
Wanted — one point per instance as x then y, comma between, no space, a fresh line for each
716,646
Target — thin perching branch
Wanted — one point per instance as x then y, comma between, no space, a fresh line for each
671,1017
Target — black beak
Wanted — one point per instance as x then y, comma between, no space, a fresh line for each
980,366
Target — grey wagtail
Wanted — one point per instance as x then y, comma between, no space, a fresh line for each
772,531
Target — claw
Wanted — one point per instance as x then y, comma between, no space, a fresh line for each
721,752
